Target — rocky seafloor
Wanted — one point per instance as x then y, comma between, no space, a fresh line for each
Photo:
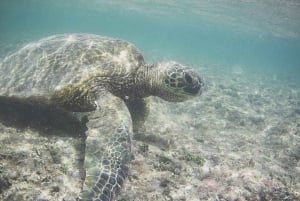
239,141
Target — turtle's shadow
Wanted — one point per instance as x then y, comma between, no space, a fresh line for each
43,119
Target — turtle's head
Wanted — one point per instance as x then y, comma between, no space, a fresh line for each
177,83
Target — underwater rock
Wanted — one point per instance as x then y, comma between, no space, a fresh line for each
4,183
167,164
277,194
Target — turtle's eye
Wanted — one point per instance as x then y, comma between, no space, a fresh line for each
188,78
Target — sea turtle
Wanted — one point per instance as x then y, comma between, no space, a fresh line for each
104,79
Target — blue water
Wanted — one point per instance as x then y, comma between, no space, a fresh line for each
260,36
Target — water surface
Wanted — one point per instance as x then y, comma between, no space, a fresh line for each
257,36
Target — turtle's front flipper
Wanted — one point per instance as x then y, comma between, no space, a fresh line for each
139,110
107,149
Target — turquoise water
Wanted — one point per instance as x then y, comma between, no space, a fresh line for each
257,36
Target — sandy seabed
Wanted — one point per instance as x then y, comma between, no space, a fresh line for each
239,141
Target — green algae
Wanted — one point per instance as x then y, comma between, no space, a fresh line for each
194,158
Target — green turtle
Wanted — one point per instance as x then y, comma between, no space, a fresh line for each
107,81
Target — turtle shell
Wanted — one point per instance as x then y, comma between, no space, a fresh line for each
56,62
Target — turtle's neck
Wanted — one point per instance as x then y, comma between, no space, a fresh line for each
147,80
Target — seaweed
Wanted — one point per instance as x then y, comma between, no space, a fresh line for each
194,158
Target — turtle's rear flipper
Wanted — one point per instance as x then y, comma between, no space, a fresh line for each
107,149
